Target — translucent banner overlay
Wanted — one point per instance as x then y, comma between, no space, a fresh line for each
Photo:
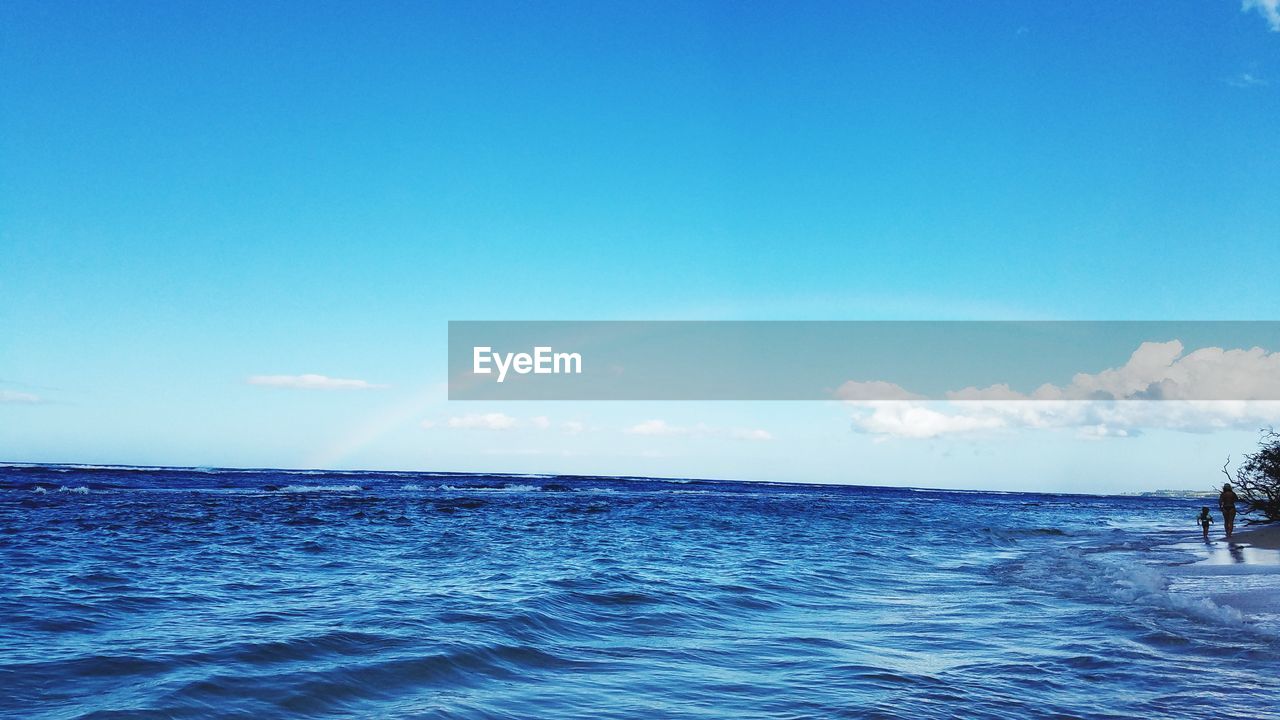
864,360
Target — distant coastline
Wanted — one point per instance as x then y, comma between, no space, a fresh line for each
1172,493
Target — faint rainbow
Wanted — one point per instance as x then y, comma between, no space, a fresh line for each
377,425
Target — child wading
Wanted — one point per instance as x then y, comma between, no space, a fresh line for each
1205,520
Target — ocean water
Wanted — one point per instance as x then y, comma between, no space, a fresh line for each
159,593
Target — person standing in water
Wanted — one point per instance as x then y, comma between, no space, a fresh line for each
1227,504
1205,520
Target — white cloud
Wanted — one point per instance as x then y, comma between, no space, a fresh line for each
1105,404
656,427
312,382
1159,371
1246,80
1098,432
992,392
502,421
910,419
19,398
1269,9
1154,371
1148,365
483,421
529,452
1089,418
854,390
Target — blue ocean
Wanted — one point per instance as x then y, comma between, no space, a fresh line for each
204,593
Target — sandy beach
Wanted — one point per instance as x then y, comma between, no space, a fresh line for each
1265,537
1241,574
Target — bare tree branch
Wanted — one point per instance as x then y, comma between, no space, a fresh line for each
1257,479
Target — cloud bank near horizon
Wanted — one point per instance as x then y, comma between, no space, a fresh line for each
1089,419
1154,371
1104,404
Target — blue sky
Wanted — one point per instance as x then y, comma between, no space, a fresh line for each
195,194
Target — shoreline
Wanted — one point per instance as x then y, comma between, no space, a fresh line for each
1239,573
1263,537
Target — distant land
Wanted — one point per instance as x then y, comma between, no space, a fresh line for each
1173,493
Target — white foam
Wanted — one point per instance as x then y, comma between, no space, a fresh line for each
1134,583
320,488
504,488
82,490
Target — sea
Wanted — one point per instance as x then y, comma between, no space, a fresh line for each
132,592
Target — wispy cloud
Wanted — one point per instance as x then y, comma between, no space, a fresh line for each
1246,80
654,428
503,421
19,398
312,382
1269,9
658,427
483,421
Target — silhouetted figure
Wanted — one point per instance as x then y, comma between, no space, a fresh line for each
1227,504
1205,520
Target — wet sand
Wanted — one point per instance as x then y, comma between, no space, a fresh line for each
1265,537
1241,573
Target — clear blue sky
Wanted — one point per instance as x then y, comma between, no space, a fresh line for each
192,194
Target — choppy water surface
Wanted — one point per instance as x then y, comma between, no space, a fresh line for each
168,593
